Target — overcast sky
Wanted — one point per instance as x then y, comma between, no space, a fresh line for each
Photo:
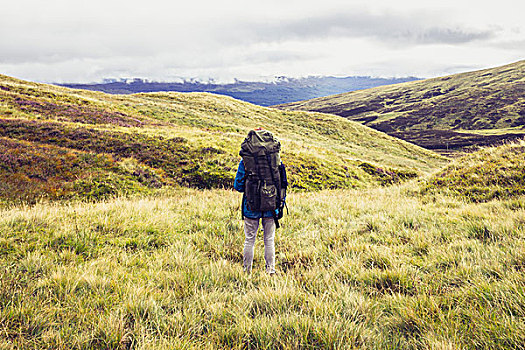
89,40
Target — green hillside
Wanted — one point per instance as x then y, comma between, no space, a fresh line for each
491,173
61,143
453,112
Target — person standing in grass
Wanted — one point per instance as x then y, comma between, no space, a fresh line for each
261,177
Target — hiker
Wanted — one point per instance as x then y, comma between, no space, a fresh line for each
262,178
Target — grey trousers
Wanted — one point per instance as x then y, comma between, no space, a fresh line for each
250,231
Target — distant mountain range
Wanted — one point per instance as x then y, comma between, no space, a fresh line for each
453,112
282,90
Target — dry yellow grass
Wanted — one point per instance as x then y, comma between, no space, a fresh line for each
377,268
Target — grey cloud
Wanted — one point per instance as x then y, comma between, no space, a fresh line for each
50,47
92,38
413,29
450,36
156,42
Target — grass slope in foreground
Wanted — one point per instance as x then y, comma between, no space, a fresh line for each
62,143
452,112
368,269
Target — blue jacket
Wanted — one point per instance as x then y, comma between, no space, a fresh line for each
239,186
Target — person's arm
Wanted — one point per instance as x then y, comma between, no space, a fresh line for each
239,178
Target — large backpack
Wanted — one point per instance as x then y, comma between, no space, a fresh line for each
265,179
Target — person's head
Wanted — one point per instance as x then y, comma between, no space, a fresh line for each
259,128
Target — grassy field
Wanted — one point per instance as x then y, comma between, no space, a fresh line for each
430,263
384,268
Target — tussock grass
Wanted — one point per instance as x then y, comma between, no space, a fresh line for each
492,172
377,269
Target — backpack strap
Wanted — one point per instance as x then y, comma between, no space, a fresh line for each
258,169
284,186
275,219
242,204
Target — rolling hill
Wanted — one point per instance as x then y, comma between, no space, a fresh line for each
448,113
57,142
